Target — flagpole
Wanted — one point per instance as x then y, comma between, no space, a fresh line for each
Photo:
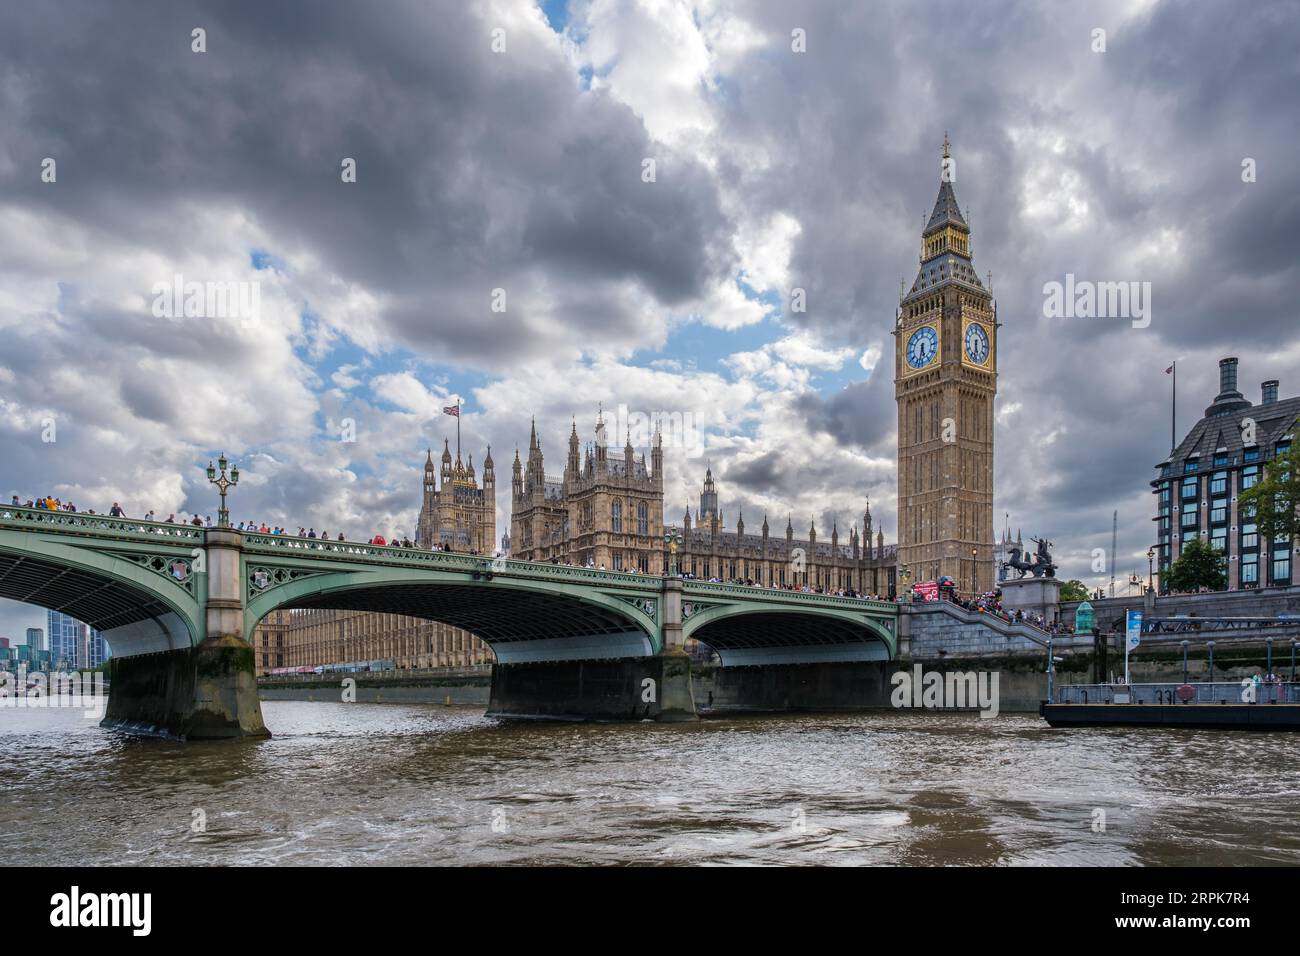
458,429
1173,411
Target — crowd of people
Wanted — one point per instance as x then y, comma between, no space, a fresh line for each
51,503
988,603
803,588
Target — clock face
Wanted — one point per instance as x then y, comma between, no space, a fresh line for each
922,347
977,344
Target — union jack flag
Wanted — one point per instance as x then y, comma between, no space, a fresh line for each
452,410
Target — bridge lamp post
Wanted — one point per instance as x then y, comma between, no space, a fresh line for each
673,538
1268,644
223,483
974,571
1151,569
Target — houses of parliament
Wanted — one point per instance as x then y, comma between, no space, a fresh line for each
606,508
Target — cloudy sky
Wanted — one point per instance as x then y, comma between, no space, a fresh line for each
501,158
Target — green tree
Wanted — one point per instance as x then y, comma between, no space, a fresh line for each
1198,566
1074,590
1275,499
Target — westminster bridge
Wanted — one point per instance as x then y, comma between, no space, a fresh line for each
177,605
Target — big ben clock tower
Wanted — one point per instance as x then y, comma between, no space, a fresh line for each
945,378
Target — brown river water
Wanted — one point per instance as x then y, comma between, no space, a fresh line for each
359,784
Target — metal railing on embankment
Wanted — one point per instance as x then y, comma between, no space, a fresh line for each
1218,692
409,675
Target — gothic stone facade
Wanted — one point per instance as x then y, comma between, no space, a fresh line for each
709,551
313,637
945,379
460,514
606,511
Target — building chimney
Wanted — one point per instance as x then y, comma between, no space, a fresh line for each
1229,400
1227,375
1269,390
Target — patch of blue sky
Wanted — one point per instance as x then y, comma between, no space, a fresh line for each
556,13
264,259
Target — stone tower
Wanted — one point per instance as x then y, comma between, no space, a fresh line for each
606,510
456,512
945,379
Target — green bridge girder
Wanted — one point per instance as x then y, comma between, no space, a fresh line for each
145,585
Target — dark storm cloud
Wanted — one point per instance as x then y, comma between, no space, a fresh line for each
476,170
861,415
763,474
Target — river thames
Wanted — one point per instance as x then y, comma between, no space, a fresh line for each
358,784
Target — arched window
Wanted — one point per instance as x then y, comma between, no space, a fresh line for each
617,515
642,519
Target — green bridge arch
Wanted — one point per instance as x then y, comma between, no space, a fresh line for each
525,611
142,585
758,626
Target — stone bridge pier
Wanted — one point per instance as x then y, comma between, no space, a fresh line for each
204,692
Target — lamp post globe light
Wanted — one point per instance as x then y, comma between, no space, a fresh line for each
673,538
217,476
1151,557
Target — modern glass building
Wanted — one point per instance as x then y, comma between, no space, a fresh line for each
1197,486
73,645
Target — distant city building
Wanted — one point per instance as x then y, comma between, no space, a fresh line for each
710,551
606,511
458,513
1221,456
36,639
73,645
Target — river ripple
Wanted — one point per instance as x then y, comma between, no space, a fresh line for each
356,784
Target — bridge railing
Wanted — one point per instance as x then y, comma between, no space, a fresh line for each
758,590
258,543
1227,692
1202,625
405,674
83,522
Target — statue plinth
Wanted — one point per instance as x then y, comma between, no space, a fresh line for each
1040,595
